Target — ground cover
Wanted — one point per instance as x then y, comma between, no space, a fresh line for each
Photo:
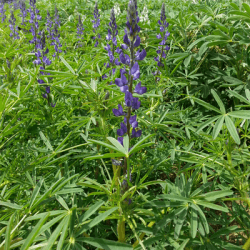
124,125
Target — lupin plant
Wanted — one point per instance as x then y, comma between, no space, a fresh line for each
23,11
163,35
2,11
131,40
34,18
14,34
96,24
112,33
125,82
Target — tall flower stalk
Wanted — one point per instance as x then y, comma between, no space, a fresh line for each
2,11
23,10
56,34
112,33
96,24
129,74
14,34
163,36
34,18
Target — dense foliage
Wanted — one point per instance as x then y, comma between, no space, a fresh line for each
124,125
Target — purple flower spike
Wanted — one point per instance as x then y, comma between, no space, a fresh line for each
53,105
122,130
45,96
140,90
124,89
119,111
48,89
121,81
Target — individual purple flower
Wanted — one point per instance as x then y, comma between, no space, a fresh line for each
122,130
119,111
139,56
135,71
140,90
136,133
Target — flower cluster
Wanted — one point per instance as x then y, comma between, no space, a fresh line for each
2,10
49,24
125,82
80,28
112,33
117,9
96,24
144,16
56,34
23,10
163,36
34,18
13,27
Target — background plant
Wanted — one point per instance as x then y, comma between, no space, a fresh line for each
187,179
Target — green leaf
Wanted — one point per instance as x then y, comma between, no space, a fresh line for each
96,220
201,216
104,144
179,223
218,126
243,114
64,234
67,65
133,149
90,211
56,233
206,105
36,192
105,244
29,240
206,123
174,197
246,7
194,223
218,100
46,141
232,130
183,244
212,206
8,233
212,196
10,205
240,97
109,155
118,145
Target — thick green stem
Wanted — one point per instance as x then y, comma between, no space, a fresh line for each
121,230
